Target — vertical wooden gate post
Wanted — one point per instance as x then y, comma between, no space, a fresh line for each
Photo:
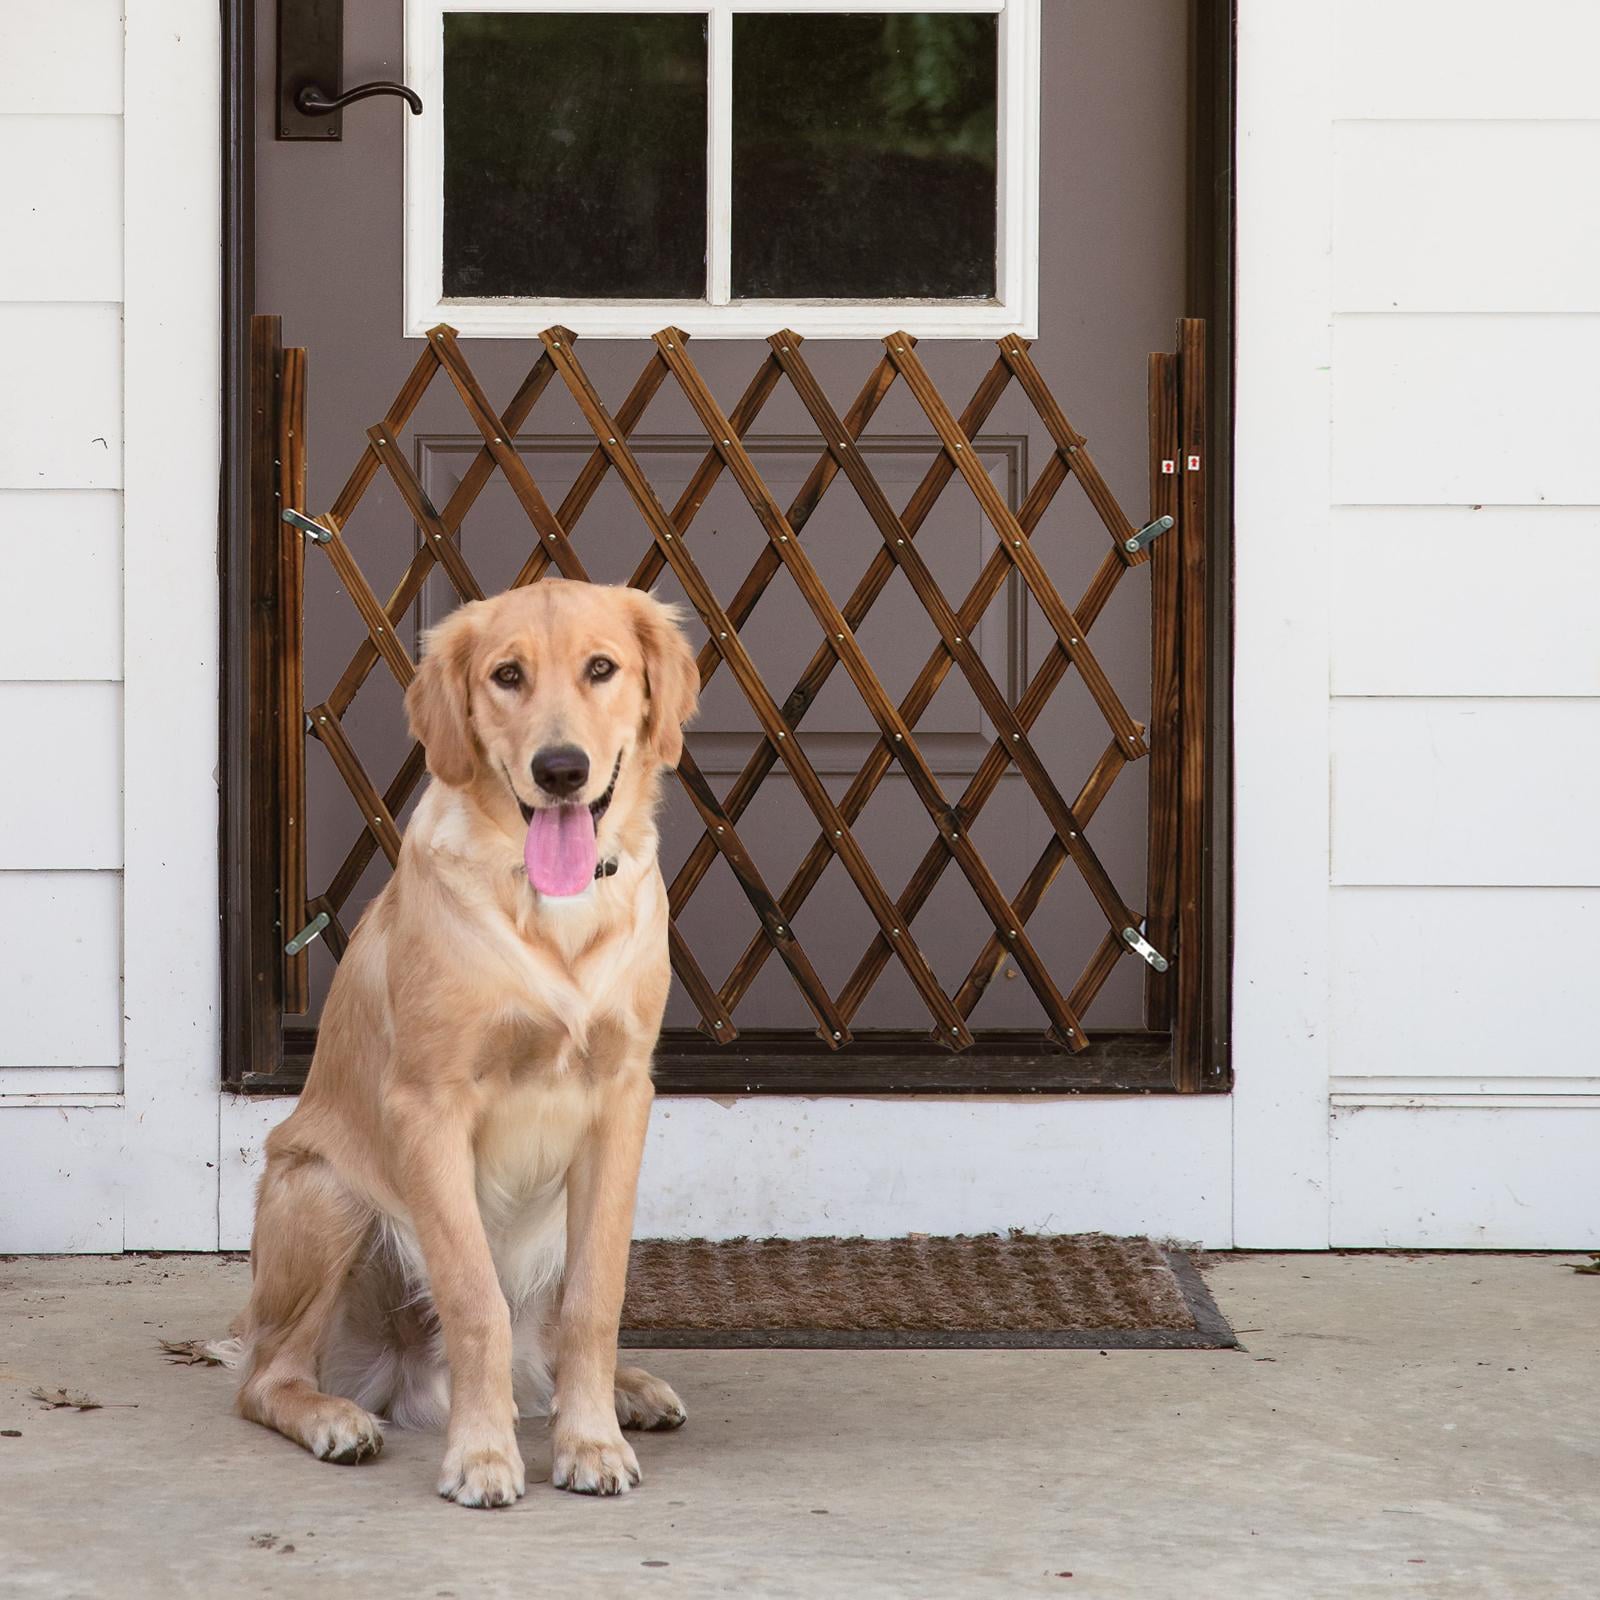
1189,1022
259,1037
291,677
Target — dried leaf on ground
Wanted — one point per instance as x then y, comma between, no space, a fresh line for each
65,1399
190,1353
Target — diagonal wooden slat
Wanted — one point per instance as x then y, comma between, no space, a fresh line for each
1073,446
394,419
994,954
956,638
374,813
1018,549
986,779
342,885
498,437
750,591
744,670
545,522
441,540
592,474
366,602
917,700
477,475
854,660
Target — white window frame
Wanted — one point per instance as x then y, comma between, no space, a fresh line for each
1013,310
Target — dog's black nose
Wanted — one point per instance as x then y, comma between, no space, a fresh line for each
561,770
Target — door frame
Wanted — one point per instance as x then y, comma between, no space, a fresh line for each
260,1056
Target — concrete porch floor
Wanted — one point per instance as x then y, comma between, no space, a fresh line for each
1397,1426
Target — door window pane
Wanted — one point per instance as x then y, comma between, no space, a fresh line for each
575,155
864,155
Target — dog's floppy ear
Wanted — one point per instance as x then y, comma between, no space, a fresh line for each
672,677
436,702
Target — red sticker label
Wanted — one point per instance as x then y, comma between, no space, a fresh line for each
1168,468
1193,464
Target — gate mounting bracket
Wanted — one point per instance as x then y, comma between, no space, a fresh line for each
1142,947
1147,535
311,930
312,530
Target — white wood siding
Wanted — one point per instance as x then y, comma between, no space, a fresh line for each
1464,661
61,806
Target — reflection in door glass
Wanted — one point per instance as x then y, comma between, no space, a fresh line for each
864,155
574,155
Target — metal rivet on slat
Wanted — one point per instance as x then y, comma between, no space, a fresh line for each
719,830
1016,736
897,736
780,735
779,930
836,1033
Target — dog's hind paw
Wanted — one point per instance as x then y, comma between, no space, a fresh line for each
344,1434
647,1403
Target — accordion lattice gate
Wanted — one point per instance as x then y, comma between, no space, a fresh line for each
1164,933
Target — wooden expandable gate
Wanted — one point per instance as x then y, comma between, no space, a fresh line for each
1166,934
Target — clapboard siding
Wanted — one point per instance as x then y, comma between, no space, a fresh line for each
1464,58
1454,600
1471,792
61,200
1464,983
1453,1178
1466,410
62,428
61,55
60,970
62,542
62,804
1466,216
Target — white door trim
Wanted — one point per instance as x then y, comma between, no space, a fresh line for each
1280,698
172,322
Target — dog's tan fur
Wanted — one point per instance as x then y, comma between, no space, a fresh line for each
442,1229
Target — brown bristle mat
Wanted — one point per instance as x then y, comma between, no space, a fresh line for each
981,1290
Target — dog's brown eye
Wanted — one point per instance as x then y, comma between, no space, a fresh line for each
509,675
601,668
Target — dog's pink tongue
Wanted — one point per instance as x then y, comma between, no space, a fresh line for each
559,851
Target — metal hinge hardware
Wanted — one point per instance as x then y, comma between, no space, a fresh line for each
1145,537
311,930
312,530
1142,947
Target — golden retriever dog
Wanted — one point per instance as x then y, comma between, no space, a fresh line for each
442,1229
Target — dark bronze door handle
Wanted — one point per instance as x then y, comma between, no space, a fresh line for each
314,103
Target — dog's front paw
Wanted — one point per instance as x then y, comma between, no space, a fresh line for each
341,1432
483,1474
646,1402
594,1466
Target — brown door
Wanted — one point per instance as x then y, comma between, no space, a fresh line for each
866,153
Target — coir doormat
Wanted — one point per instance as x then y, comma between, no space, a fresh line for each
982,1291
